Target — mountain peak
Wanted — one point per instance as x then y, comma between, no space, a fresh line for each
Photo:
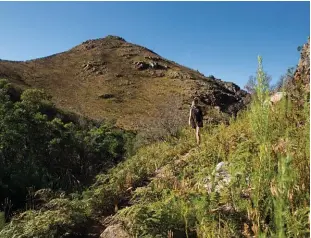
112,37
109,78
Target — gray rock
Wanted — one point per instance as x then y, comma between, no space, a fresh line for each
231,87
222,178
153,64
115,231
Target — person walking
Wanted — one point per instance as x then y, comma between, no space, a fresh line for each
196,118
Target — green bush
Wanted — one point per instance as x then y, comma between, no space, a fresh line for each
41,152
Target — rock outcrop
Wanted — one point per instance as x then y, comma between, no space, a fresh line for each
302,73
115,231
229,98
219,180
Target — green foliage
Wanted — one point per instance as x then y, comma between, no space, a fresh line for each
35,99
266,155
2,220
275,175
42,152
252,83
61,217
285,83
299,48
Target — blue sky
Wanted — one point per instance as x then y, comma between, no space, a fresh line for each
218,38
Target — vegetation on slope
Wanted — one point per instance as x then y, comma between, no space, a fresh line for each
268,195
104,79
39,151
170,188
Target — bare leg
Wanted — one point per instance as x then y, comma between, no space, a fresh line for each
197,134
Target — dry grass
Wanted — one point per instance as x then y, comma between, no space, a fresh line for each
76,78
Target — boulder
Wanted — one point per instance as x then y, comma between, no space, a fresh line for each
227,101
140,65
115,231
232,87
155,65
222,178
276,97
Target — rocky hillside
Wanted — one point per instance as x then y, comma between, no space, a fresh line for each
112,79
302,73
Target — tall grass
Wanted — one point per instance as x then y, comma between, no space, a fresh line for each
274,175
261,174
264,147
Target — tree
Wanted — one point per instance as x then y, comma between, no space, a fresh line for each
285,81
45,152
252,83
299,48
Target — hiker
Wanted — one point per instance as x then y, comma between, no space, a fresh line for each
196,118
